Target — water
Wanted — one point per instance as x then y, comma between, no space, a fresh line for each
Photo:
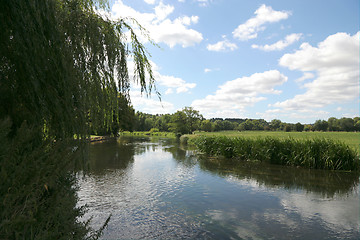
155,189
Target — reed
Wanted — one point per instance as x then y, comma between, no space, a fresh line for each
318,153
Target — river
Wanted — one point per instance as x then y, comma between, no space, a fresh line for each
156,189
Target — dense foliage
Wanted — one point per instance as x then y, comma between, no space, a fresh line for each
189,120
310,153
62,69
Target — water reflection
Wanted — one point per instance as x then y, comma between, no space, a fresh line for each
109,155
327,183
156,189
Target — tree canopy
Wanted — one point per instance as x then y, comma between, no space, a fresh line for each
63,73
63,63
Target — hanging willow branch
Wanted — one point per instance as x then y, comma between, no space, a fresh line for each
63,71
66,64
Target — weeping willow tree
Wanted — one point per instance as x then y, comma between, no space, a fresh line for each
62,66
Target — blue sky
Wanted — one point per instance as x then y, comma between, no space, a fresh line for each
297,61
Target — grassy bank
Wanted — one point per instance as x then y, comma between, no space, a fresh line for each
149,133
316,153
352,139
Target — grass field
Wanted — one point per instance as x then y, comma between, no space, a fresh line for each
352,139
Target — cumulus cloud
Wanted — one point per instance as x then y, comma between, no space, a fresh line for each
235,95
264,14
149,105
162,11
336,64
279,45
161,28
172,82
186,20
222,46
175,32
150,1
307,75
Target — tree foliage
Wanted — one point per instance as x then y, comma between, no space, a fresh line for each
171,122
62,69
62,61
178,123
321,125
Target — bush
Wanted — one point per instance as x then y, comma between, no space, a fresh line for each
154,130
184,139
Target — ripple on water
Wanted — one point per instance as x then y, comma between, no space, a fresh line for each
163,193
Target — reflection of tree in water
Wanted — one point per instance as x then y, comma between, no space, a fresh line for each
118,154
182,155
326,183
109,155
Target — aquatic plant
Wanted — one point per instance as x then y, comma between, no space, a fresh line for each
318,153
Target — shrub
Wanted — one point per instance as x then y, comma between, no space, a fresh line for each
154,130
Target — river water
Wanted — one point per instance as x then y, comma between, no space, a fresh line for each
155,189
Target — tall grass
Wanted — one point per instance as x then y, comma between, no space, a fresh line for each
318,153
350,138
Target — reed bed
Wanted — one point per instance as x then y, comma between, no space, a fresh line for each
318,153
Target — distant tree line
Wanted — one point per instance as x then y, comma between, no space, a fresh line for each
189,120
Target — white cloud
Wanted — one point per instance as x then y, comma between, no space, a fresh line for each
149,105
171,82
238,113
336,62
307,75
175,32
280,113
235,95
279,45
161,28
207,70
150,1
162,11
222,46
264,14
186,20
169,91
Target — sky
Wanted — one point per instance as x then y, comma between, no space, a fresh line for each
297,61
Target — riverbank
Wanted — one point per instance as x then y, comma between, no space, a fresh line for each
149,133
94,138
